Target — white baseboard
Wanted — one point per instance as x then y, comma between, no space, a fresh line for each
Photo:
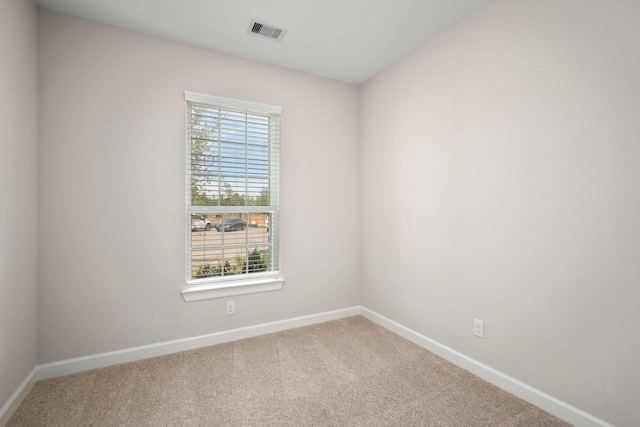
81,364
547,403
17,397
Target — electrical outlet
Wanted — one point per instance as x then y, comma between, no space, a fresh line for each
231,307
478,328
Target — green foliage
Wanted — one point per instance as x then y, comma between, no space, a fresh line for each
201,199
258,261
262,199
228,197
231,198
241,264
202,161
212,270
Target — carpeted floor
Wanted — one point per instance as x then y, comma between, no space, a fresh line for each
348,372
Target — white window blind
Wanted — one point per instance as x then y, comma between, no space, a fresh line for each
233,150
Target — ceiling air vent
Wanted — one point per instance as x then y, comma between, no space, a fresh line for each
265,30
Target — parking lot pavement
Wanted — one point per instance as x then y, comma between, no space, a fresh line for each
206,245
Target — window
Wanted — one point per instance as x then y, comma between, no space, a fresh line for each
233,150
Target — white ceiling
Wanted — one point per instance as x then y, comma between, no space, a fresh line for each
347,40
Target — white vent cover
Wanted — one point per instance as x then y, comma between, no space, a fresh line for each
265,30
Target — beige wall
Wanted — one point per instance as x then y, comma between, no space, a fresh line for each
18,193
511,155
112,188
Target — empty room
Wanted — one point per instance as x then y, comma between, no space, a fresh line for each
340,213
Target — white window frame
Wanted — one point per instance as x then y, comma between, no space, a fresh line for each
219,287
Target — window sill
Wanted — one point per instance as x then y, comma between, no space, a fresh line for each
244,287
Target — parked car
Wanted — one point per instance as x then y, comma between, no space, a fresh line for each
199,222
231,224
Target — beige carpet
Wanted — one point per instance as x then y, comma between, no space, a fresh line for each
348,372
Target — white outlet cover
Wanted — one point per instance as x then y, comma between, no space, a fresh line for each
231,307
478,328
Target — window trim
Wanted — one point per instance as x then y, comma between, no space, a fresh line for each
239,287
208,288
